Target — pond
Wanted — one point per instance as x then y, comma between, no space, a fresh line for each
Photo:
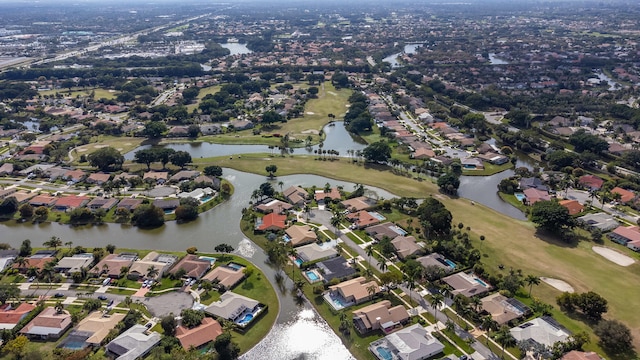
408,49
236,48
336,138
493,60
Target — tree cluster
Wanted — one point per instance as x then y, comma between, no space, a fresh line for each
591,304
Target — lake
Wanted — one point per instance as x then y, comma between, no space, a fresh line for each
236,48
408,49
493,60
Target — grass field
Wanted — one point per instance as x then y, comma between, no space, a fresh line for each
99,93
122,144
203,92
512,243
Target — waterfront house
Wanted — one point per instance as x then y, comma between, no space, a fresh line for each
102,203
43,200
133,344
413,342
196,337
35,261
542,330
160,262
301,235
573,206
75,263
273,205
225,275
296,195
363,219
11,315
359,203
130,203
111,264
184,175
271,222
314,252
405,246
380,316
193,266
335,268
71,202
534,195
532,182
166,204
49,324
231,306
332,194
355,291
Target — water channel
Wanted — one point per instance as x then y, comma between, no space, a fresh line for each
337,138
393,59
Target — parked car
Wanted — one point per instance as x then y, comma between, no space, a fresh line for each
31,279
148,325
58,295
102,297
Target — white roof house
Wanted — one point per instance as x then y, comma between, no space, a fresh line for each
230,305
75,263
197,193
410,343
134,343
543,330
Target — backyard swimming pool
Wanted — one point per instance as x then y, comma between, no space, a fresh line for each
377,215
212,260
520,196
234,266
312,276
298,261
246,319
384,353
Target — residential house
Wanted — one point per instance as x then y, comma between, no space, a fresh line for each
35,261
124,178
472,163
271,222
602,221
300,235
159,177
10,316
75,263
405,246
133,344
468,285
627,236
435,259
225,275
112,264
503,309
5,193
166,204
335,268
573,206
43,200
210,129
130,203
71,202
74,175
542,330
6,169
296,195
332,194
98,178
387,229
411,343
49,324
193,266
380,316
102,203
196,337
363,219
314,252
198,193
591,182
160,262
534,195
93,329
204,180
625,195
359,203
532,182
423,153
354,291
242,124
6,260
273,205
581,355
494,158
232,306
23,196
184,175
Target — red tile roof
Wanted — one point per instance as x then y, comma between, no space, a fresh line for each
206,332
573,206
591,181
273,220
8,315
72,201
626,195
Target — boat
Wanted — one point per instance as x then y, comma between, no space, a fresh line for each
232,40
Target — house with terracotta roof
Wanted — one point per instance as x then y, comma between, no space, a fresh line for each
627,236
363,219
333,194
74,175
590,182
160,177
380,316
296,195
49,324
271,222
10,316
468,285
405,246
300,235
423,153
35,261
359,203
71,202
23,196
225,275
98,178
581,355
573,206
534,195
625,195
193,266
208,330
6,168
43,200
503,309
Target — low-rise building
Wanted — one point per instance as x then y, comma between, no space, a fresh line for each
233,307
192,266
314,252
363,219
196,337
503,309
71,202
465,284
405,246
51,323
75,263
92,330
411,343
271,222
355,291
335,268
152,266
296,195
359,203
602,221
225,275
10,315
380,316
273,205
133,344
542,330
573,206
112,264
102,203
298,235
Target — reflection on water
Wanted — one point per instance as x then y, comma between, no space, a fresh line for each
246,248
306,337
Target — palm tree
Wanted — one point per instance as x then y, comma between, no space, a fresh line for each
105,268
124,271
476,302
436,301
127,301
59,307
336,220
371,289
281,184
54,242
488,324
152,272
293,253
69,244
504,338
532,280
382,264
411,284
21,262
369,250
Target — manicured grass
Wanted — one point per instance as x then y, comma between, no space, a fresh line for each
122,144
354,238
448,347
513,200
209,297
99,93
512,243
119,291
461,343
489,169
203,92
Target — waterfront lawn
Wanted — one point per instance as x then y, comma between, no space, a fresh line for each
489,169
121,143
513,200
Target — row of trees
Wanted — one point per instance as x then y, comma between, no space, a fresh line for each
162,155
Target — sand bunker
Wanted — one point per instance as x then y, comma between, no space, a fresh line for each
332,93
310,113
614,256
311,131
81,149
100,146
558,284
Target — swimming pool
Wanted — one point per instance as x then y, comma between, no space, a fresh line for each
212,260
206,198
398,230
384,353
234,266
312,276
245,319
481,282
286,238
520,196
377,215
450,263
298,261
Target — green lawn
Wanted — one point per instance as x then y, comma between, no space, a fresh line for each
99,93
120,143
489,169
